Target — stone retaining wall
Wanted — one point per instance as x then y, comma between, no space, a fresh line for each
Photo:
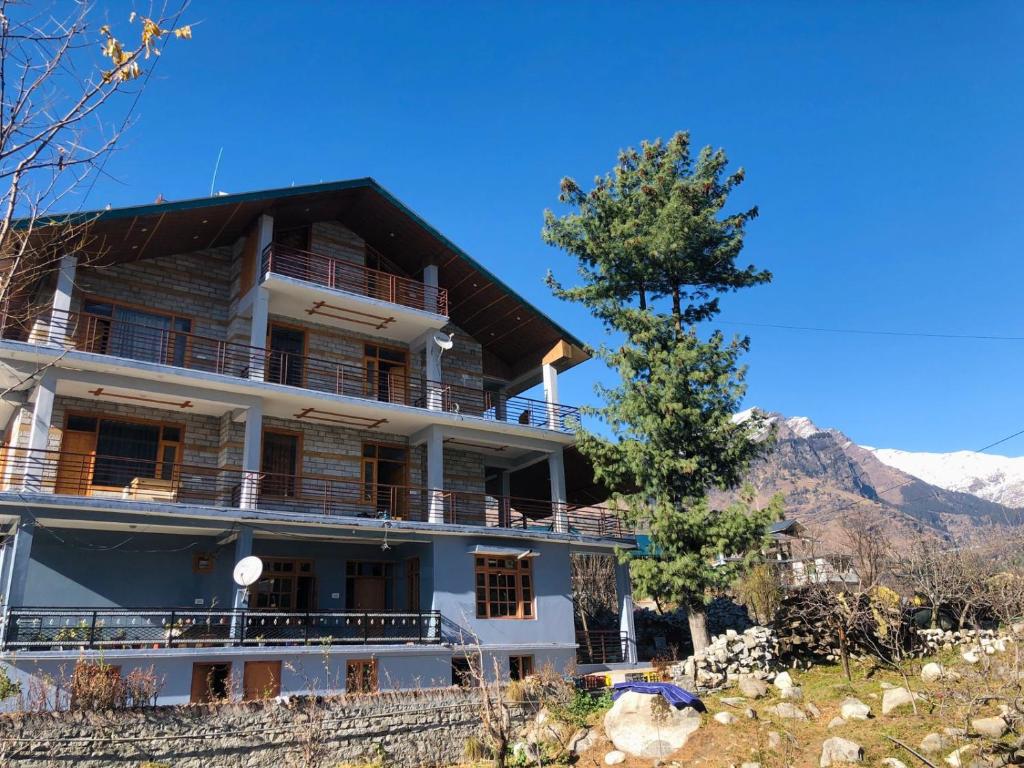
412,728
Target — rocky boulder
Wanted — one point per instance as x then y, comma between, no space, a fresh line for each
648,726
990,727
837,750
753,688
895,698
854,709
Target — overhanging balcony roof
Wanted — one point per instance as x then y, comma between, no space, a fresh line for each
515,335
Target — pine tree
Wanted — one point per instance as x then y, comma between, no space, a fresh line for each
654,253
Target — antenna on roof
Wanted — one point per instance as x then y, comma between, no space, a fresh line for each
216,167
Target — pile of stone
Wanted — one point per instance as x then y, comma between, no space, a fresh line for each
981,641
730,656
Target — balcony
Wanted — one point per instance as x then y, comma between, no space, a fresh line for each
55,629
131,341
600,646
137,479
338,292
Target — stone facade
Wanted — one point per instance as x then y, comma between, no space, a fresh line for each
414,728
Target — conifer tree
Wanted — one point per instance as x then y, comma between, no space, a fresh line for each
655,252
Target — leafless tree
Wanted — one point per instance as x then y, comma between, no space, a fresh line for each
864,536
593,588
495,712
59,71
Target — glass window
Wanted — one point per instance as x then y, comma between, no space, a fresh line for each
503,588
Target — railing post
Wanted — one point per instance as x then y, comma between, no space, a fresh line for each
419,626
241,631
170,630
307,628
366,628
92,630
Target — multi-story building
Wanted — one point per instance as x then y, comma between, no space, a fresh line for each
313,376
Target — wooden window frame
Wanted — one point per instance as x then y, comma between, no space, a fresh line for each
523,568
299,450
359,666
524,663
375,461
180,454
90,297
406,366
268,572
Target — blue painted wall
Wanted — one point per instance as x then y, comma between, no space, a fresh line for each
454,593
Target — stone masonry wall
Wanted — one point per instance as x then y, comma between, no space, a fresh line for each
196,285
419,728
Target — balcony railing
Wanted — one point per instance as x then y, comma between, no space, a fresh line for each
134,341
47,629
142,479
600,646
354,278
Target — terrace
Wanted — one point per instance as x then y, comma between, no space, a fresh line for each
149,480
109,336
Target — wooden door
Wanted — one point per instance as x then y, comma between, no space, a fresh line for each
261,680
74,471
370,593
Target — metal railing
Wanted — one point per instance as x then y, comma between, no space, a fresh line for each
600,646
99,628
110,336
143,479
354,278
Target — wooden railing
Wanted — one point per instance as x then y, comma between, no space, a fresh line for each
600,646
108,336
110,628
354,278
139,479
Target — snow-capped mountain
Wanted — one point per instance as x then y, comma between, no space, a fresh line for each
987,476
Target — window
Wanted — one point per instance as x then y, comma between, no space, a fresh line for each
112,453
520,667
504,588
369,586
280,463
108,328
210,682
287,355
285,585
361,676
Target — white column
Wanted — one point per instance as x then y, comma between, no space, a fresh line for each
556,469
252,456
432,372
19,555
59,319
39,436
258,333
627,628
264,237
435,475
430,288
551,394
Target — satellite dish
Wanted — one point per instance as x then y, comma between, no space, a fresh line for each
248,571
444,340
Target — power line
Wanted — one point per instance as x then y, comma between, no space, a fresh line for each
869,332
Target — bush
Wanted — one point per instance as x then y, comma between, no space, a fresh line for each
582,707
8,687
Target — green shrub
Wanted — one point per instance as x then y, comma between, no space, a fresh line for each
582,707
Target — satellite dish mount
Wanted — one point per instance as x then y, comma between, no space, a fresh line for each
444,340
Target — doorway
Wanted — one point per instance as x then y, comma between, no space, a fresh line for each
369,586
285,585
385,473
386,373
287,361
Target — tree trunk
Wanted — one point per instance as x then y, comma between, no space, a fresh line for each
844,654
698,621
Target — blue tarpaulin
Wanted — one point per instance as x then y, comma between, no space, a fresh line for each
673,694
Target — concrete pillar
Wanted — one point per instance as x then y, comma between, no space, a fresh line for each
435,476
252,457
60,322
551,394
556,470
627,628
39,436
19,554
258,333
430,289
432,373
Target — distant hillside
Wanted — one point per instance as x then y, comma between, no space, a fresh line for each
825,476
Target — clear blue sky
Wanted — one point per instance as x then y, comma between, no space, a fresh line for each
882,142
